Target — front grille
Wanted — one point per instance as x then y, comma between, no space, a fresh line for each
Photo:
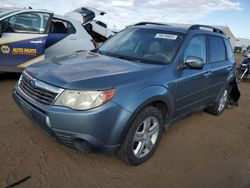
38,91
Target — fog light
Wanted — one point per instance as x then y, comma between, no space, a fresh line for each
82,145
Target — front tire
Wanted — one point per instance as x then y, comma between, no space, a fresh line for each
143,136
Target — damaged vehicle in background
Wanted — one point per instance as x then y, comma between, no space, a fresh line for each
97,29
124,95
243,70
28,36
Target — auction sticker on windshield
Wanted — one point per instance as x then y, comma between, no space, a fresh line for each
166,36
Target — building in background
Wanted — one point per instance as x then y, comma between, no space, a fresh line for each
241,45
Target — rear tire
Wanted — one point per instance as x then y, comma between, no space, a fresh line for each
220,105
143,136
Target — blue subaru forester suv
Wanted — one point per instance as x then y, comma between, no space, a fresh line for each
124,95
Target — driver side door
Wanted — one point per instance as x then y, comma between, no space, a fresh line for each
23,40
192,85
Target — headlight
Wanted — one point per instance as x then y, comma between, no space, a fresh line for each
83,100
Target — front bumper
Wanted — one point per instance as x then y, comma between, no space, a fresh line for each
98,129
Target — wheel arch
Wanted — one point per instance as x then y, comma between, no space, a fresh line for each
232,86
234,92
163,103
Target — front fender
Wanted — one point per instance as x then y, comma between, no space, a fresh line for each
143,98
148,95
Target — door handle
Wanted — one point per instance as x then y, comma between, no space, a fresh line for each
208,74
36,42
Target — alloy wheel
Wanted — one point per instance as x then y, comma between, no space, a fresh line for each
223,101
146,136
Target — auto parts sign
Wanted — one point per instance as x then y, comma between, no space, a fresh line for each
5,49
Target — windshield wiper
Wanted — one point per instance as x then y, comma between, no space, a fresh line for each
97,51
134,59
113,55
128,58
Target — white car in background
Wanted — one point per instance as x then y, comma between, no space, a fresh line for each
100,28
97,29
28,36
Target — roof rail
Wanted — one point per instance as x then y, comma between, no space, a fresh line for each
148,23
214,29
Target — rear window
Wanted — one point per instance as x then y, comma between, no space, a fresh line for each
61,27
216,49
101,24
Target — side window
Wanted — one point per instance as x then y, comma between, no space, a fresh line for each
32,22
62,27
101,24
196,47
216,49
229,49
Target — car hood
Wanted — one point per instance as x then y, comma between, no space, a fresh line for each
88,70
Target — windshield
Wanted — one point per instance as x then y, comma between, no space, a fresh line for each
145,45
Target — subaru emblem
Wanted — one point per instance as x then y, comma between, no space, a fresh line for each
33,83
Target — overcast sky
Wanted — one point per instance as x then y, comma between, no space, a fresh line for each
234,14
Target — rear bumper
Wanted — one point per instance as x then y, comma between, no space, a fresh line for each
98,129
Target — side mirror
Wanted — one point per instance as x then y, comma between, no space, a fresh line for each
193,62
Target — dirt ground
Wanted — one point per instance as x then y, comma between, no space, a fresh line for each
201,151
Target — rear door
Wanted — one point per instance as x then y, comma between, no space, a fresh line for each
220,62
23,40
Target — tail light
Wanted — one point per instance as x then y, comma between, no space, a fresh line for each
94,42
